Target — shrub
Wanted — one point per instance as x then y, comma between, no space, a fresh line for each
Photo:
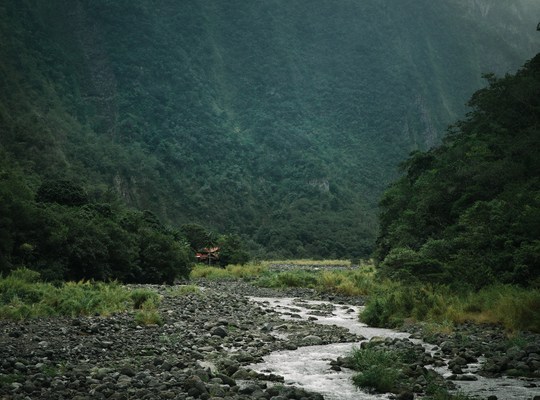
25,275
377,368
149,314
141,296
248,271
20,299
513,307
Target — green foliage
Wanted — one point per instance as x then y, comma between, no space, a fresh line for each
25,275
248,271
231,251
467,212
392,303
378,369
63,192
140,296
149,314
64,240
283,126
296,278
513,307
197,236
22,296
382,370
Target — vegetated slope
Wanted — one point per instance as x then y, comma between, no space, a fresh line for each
469,210
279,120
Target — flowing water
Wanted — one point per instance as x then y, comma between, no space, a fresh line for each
309,367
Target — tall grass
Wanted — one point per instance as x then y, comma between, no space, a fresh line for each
513,307
382,370
295,278
309,262
248,271
351,282
378,369
148,313
355,282
23,296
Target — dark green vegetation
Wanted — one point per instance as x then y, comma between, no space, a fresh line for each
64,236
385,370
467,213
460,230
61,233
280,121
391,304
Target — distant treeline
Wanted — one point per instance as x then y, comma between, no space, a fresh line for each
60,233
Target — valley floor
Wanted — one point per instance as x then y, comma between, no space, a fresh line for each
202,349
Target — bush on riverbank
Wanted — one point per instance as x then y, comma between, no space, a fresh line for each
148,313
514,307
23,295
377,368
382,369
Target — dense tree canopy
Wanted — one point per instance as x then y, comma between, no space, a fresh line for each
64,237
280,121
469,210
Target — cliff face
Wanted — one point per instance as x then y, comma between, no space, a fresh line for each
225,113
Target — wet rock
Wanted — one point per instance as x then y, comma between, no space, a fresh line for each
463,377
219,331
242,374
194,384
128,371
249,389
406,395
312,340
228,366
226,380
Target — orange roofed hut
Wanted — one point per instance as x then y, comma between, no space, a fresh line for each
208,255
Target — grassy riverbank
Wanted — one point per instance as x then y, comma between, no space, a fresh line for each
390,304
516,308
23,295
335,276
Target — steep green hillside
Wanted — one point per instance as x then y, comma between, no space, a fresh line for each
469,210
279,120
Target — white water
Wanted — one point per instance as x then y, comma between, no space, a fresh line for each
309,367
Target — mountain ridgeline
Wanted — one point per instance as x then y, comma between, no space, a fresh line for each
280,121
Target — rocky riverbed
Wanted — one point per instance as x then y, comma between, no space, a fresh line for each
199,351
204,347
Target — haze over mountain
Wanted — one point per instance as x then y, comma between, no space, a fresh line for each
280,120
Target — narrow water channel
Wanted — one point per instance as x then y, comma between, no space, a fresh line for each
309,367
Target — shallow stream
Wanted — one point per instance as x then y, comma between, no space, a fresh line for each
309,367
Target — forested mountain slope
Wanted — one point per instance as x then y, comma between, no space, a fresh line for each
280,120
469,211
